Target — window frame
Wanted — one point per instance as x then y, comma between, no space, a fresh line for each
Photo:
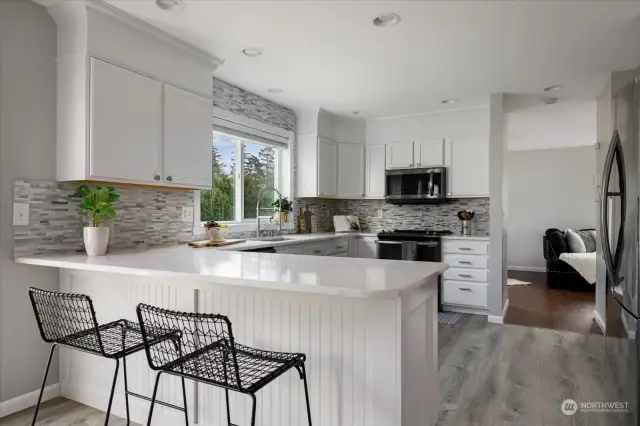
240,224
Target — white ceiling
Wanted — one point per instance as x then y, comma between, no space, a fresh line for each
328,54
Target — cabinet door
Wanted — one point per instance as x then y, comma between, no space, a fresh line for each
429,153
327,167
375,176
468,167
350,170
367,249
188,133
125,124
399,154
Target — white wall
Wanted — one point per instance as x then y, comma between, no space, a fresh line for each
27,151
551,188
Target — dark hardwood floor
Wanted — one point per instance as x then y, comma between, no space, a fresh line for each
536,305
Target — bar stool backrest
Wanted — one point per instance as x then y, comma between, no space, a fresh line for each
66,318
201,344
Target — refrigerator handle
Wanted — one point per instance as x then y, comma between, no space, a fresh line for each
614,154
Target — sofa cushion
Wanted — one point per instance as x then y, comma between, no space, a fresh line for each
558,241
576,244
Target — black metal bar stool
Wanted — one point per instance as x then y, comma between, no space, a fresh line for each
207,353
70,320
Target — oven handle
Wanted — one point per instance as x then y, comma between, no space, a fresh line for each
400,242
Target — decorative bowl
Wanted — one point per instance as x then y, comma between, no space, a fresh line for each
218,234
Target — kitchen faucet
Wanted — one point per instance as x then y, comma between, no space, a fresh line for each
279,210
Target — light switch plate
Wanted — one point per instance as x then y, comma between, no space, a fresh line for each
20,214
187,214
379,213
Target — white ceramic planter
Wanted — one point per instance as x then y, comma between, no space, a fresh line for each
96,240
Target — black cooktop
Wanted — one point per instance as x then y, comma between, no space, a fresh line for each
413,233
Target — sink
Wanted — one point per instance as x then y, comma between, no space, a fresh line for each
277,238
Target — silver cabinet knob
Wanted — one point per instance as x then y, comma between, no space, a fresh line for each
419,164
169,178
156,177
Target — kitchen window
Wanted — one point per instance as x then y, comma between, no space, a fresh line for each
241,167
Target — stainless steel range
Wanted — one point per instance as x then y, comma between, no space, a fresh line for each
427,240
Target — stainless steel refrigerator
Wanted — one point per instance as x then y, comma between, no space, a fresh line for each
619,235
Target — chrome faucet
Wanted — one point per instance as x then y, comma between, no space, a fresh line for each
258,210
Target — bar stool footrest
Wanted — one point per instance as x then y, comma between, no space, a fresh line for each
166,404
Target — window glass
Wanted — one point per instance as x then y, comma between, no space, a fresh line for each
219,203
259,172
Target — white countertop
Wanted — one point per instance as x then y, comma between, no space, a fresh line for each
466,237
335,276
293,239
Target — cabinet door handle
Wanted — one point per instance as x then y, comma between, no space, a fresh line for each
156,177
465,275
419,164
316,251
465,289
465,262
465,248
169,178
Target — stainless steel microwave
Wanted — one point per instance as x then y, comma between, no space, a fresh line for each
412,186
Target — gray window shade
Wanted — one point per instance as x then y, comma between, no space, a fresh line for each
246,132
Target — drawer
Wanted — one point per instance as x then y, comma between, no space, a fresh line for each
339,246
465,261
464,293
465,274
290,250
465,247
316,249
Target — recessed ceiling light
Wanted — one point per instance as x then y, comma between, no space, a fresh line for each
171,5
450,101
553,88
355,112
386,20
253,51
274,90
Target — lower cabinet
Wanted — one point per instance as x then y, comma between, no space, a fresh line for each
465,284
365,248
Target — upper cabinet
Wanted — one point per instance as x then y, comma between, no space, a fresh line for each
327,168
351,172
429,153
134,103
375,171
467,160
400,155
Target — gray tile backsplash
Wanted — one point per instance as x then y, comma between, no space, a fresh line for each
145,217
409,216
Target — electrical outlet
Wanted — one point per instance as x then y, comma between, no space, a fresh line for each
20,214
379,213
187,214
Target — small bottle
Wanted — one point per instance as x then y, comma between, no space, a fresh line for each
302,223
314,221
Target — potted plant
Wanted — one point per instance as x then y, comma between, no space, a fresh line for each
97,205
285,208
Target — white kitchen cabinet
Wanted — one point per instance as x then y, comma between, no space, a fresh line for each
188,124
467,160
367,249
327,168
351,172
375,171
399,155
125,125
428,153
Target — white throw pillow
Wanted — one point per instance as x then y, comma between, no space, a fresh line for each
576,245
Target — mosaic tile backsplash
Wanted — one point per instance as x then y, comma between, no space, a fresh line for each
408,216
145,217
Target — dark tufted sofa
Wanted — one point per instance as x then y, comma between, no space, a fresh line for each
560,275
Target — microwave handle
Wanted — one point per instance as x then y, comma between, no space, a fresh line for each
431,183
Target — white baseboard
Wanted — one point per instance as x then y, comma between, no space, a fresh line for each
527,268
499,319
600,321
30,399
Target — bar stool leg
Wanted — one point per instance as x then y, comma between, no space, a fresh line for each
253,411
184,398
226,397
153,398
44,383
113,389
126,389
306,391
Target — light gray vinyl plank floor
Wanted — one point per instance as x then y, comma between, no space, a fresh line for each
490,375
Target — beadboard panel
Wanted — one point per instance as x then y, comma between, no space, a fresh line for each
364,358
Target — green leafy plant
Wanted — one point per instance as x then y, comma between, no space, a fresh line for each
97,202
286,205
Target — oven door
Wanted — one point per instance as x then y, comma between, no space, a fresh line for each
428,251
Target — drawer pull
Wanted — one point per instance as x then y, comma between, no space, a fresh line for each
465,275
465,289
316,251
465,248
465,262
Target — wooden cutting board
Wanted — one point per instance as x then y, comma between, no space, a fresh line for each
201,244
